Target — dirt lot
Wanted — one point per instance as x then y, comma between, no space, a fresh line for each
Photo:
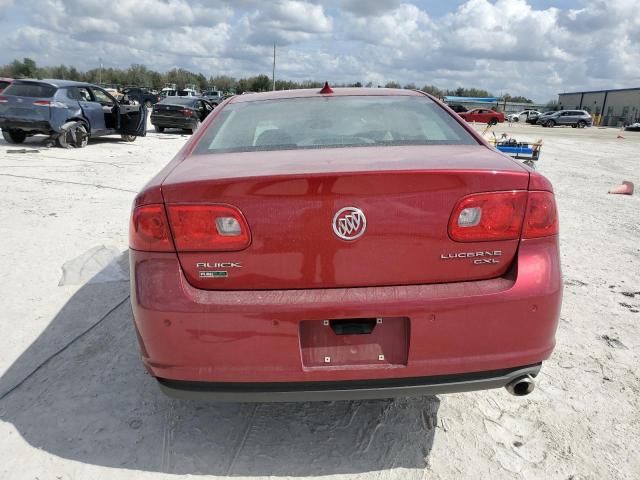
85,409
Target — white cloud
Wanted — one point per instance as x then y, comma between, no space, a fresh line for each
501,45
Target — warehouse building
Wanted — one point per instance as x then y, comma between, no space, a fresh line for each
610,108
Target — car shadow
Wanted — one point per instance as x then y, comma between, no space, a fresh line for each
94,403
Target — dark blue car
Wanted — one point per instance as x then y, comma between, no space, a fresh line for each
70,112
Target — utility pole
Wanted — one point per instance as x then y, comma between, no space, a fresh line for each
273,75
100,72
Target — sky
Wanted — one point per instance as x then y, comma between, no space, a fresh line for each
534,48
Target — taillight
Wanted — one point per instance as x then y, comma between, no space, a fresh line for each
217,228
4,100
542,216
484,217
149,229
49,103
186,112
494,216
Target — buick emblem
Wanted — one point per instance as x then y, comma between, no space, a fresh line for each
349,223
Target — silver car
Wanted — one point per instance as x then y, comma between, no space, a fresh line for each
575,118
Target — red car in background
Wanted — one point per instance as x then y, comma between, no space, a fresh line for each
483,115
356,243
4,83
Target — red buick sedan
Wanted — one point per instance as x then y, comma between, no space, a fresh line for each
341,244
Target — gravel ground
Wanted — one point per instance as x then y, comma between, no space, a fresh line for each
90,410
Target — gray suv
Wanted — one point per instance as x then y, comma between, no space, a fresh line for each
575,118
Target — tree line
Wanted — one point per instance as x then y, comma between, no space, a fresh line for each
140,75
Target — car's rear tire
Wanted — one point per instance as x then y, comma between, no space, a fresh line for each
582,124
128,138
551,123
515,119
493,121
158,128
148,105
195,127
73,135
14,136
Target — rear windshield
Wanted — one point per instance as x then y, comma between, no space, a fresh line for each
40,90
325,122
178,101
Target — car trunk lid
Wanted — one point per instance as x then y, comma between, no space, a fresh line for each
290,200
170,110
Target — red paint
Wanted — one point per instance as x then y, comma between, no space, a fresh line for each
289,199
220,336
262,322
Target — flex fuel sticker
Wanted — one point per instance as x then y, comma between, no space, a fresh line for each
214,274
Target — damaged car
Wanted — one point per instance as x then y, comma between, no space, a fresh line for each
69,112
347,243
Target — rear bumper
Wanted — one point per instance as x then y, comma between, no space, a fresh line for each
346,390
172,122
254,337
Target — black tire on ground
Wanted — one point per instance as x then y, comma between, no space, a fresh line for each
516,119
148,105
128,138
493,121
195,127
551,123
574,126
582,124
73,134
14,136
158,128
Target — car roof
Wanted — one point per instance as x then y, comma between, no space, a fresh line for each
315,92
55,82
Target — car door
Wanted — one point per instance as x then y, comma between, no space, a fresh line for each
91,109
208,108
132,120
565,118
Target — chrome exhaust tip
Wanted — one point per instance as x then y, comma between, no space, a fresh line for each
521,386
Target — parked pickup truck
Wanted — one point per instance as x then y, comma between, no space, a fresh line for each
70,112
483,115
141,96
